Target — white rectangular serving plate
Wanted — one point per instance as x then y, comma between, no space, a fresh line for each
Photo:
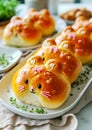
78,88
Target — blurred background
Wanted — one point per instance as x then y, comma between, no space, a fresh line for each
69,1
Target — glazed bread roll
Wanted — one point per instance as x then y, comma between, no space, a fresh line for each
19,34
84,46
79,22
29,30
68,34
77,39
45,79
35,84
42,20
61,59
73,14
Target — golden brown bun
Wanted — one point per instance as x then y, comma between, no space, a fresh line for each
42,20
83,48
28,31
68,34
77,41
79,22
82,22
40,87
73,14
56,56
67,64
17,33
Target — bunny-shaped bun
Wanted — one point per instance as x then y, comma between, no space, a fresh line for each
45,79
42,20
38,86
16,33
29,30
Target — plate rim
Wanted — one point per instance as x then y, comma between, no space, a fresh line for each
15,61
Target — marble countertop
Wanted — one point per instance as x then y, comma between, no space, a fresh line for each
85,118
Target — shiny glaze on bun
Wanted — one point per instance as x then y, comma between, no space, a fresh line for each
30,29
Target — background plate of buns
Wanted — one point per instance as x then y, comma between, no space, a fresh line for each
28,31
72,14
60,25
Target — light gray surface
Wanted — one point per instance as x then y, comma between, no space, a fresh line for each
85,118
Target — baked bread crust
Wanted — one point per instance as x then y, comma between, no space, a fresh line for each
45,79
30,29
73,14
46,76
77,39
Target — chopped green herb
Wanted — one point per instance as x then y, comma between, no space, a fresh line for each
4,60
71,94
39,110
78,88
83,77
31,110
26,108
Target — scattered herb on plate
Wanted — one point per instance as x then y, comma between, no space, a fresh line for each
83,77
13,101
5,60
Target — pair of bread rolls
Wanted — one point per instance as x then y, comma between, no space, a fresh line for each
29,30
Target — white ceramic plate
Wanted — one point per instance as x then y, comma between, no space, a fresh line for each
78,88
12,55
60,25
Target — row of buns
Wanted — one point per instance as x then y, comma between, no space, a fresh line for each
29,30
45,79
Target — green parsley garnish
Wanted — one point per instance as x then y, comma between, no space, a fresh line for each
83,77
4,61
26,108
